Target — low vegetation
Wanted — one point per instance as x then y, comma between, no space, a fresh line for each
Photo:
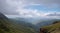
55,27
7,26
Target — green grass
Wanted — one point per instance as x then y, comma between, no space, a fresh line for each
13,28
52,27
7,26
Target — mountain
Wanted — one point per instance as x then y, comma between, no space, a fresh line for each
53,28
22,21
54,14
39,23
4,23
32,20
46,22
11,26
27,20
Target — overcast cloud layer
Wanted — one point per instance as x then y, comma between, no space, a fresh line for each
16,7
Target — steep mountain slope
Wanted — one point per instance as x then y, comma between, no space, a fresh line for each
7,26
46,22
3,23
54,28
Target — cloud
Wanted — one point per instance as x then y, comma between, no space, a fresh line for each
54,14
30,13
16,7
7,8
47,3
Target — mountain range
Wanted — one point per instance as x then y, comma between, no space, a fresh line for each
11,26
54,14
22,25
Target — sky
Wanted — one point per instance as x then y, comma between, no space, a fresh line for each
29,8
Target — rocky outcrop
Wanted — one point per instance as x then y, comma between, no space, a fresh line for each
43,30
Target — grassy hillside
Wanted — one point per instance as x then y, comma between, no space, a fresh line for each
54,28
7,26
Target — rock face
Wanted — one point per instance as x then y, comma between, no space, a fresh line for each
43,30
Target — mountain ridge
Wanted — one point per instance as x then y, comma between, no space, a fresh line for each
53,28
7,26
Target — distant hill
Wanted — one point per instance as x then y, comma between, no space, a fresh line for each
53,28
45,23
9,26
24,23
54,14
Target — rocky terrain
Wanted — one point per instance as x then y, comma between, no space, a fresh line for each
54,28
